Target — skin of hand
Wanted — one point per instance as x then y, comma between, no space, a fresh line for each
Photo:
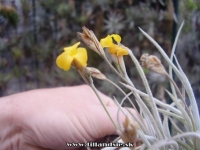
50,118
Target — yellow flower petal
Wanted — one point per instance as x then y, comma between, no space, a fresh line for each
113,49
64,61
81,56
117,50
116,37
121,51
72,49
106,42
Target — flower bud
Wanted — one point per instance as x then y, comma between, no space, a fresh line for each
88,41
96,73
153,63
91,41
129,134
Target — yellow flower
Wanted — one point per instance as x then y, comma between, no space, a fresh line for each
71,55
113,48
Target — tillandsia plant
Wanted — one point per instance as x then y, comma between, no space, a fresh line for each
147,125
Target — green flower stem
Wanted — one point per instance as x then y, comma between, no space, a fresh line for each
180,131
180,107
166,125
171,114
124,95
179,93
135,94
145,82
171,57
189,134
146,111
186,146
123,69
182,78
144,139
151,139
158,102
183,92
165,143
141,125
166,121
95,91
115,70
134,117
183,135
120,108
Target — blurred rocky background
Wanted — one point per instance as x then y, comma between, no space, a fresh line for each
34,32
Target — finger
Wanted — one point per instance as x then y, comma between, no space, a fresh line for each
106,100
93,97
102,125
86,94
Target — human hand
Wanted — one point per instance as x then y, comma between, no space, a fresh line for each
50,118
